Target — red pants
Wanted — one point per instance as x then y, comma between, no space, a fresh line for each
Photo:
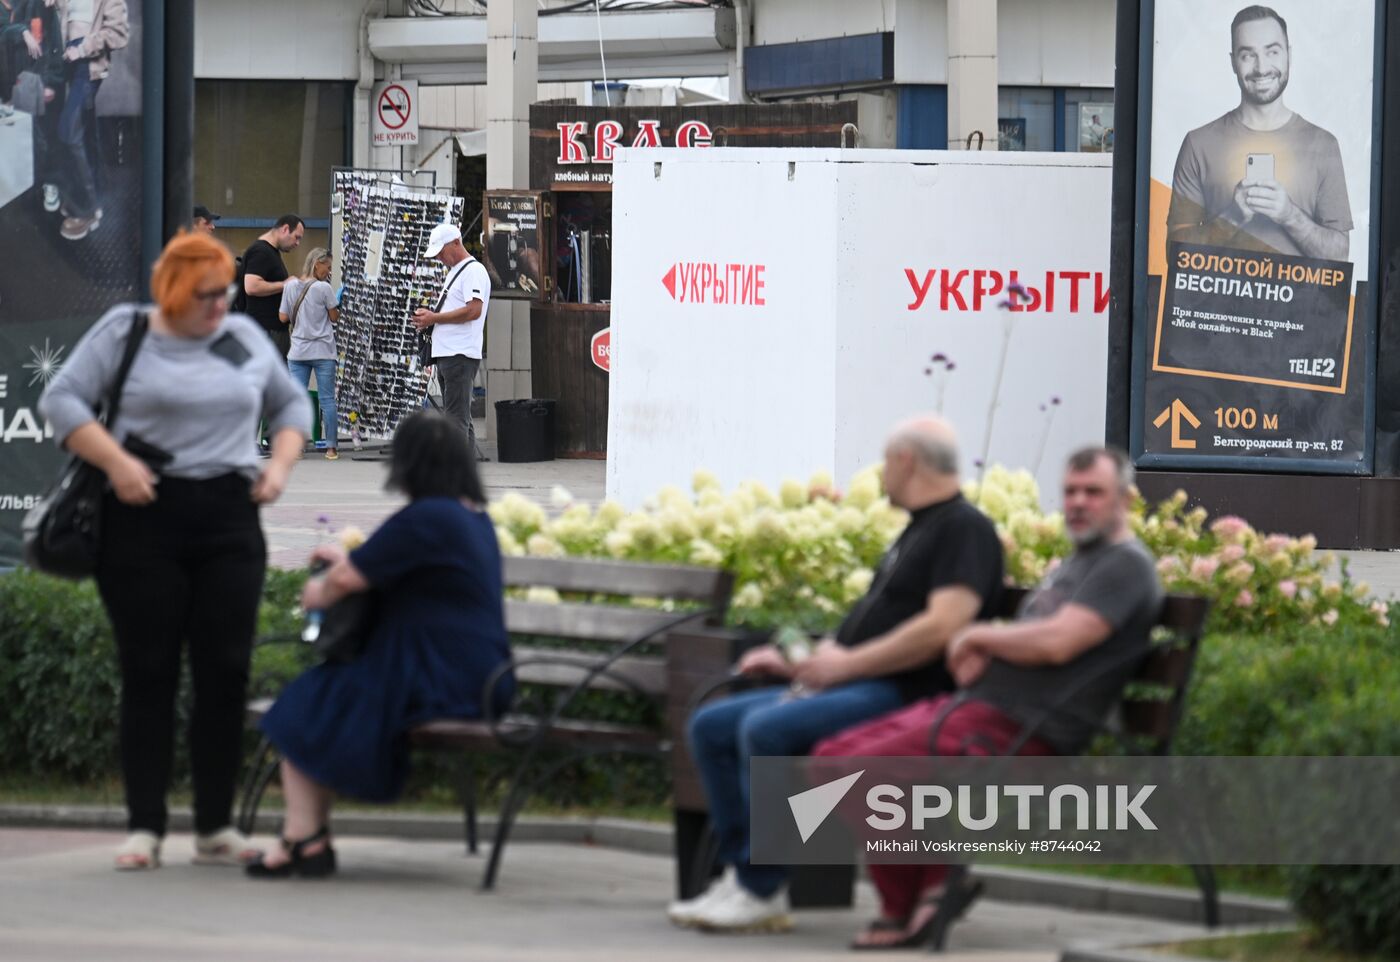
973,728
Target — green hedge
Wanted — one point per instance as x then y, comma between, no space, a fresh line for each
1354,908
1309,692
59,680
1314,691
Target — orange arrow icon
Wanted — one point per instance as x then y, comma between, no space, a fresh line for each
1176,412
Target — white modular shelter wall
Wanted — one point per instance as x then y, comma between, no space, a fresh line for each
703,375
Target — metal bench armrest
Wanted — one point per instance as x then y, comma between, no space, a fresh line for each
1061,706
598,669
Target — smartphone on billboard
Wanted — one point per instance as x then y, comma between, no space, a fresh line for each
1258,168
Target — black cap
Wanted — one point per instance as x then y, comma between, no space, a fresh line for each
200,211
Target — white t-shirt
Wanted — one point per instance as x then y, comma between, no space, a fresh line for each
470,283
80,11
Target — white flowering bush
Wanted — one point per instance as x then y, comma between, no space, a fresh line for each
800,555
805,553
1257,582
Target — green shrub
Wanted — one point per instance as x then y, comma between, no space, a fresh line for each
1354,908
1321,692
1318,692
59,679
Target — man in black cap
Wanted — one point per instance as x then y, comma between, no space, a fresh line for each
204,219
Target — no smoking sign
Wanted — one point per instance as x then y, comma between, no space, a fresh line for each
395,118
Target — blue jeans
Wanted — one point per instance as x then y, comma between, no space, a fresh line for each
325,391
79,184
725,734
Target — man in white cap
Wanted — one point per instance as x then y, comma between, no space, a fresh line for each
458,322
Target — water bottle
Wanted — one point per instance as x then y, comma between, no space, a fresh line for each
314,618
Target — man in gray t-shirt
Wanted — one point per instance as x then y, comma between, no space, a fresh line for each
1078,630
1115,585
1074,639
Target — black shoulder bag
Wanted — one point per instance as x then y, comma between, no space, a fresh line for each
425,336
340,633
62,532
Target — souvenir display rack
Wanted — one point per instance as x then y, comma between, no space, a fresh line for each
384,277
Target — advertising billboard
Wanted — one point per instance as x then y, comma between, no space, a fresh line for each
71,163
1256,326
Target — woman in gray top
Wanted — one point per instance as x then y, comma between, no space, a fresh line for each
182,555
309,307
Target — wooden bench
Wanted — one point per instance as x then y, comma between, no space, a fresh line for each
566,649
1145,723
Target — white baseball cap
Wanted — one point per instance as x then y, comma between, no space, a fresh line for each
442,235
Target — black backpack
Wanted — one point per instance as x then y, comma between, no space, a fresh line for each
240,296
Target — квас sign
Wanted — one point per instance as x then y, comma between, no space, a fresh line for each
575,147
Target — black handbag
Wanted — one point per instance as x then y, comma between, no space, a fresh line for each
340,633
63,532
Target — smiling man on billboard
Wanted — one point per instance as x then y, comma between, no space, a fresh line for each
1260,177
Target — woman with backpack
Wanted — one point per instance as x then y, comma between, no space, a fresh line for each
309,309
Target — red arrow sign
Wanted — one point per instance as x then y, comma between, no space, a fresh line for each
716,282
601,349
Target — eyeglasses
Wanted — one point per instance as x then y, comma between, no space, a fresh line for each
213,297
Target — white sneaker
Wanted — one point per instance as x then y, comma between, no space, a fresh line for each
51,200
139,852
227,846
685,913
742,911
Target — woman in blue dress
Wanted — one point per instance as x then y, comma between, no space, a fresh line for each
438,635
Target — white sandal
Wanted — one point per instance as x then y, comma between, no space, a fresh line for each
227,846
140,851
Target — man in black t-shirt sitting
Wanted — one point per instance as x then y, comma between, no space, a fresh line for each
944,571
265,274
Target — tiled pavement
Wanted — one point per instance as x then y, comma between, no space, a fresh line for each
409,900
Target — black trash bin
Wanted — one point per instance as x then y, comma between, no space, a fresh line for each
525,430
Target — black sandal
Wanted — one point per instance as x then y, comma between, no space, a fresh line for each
948,904
881,924
318,865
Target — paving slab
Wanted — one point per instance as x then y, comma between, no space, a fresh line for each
407,900
350,492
